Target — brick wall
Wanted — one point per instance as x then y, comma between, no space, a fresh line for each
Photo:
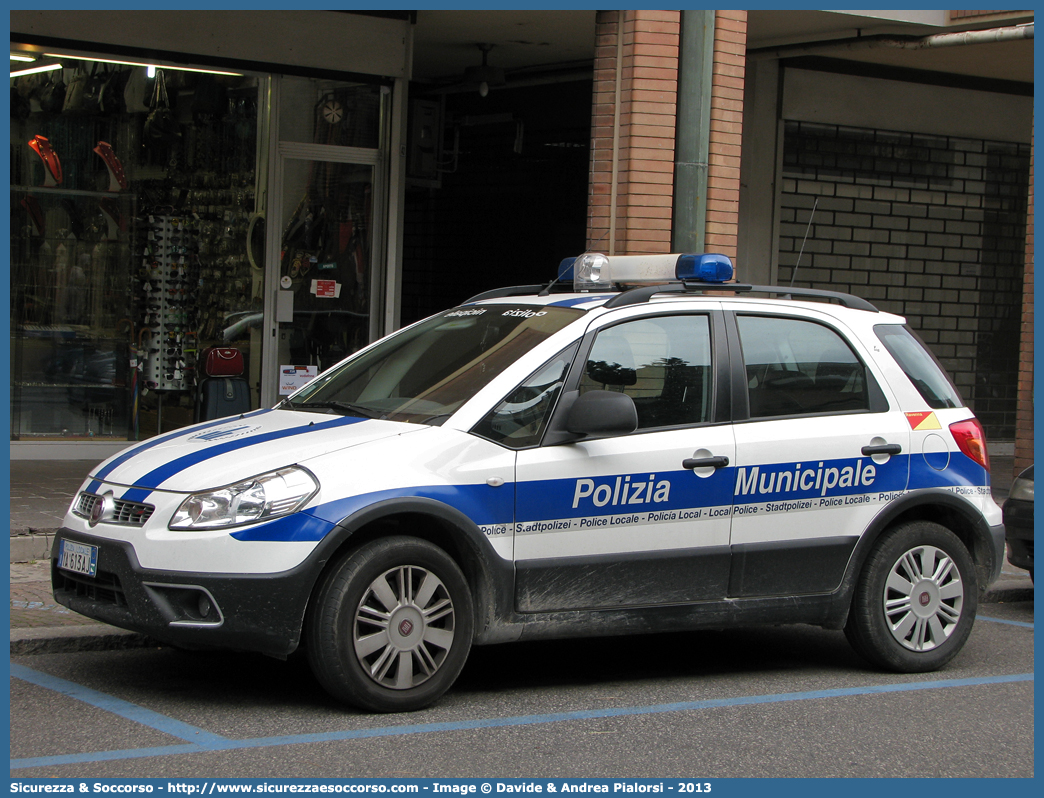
930,227
726,132
647,120
1024,418
645,164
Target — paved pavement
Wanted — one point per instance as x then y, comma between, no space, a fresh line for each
41,492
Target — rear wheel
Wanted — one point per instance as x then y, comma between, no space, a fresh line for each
391,626
915,602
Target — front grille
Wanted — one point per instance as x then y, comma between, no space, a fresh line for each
104,587
124,513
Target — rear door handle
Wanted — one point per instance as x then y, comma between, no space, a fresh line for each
705,462
882,448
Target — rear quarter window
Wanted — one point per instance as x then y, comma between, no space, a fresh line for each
919,365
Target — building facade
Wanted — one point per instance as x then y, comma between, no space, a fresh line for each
174,189
833,162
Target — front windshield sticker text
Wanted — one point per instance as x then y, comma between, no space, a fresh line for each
524,314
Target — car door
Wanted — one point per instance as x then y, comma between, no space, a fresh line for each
822,449
619,521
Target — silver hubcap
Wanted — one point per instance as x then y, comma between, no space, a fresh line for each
923,598
403,627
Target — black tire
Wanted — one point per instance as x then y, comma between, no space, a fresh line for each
918,622
406,659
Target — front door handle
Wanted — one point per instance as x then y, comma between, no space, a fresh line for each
705,462
882,448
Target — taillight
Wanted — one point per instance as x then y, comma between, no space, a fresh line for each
971,440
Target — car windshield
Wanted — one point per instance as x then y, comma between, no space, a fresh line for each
427,372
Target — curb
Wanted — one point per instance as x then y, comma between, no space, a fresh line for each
29,545
1007,595
65,639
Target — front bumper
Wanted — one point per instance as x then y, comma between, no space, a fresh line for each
247,612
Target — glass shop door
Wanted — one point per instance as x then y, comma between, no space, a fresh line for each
325,268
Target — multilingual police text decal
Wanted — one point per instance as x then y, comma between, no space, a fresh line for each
558,505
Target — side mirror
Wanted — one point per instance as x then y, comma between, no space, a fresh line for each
602,413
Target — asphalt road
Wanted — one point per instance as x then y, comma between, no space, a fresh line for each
765,702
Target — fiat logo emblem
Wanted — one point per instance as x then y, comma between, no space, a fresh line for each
924,599
100,509
405,627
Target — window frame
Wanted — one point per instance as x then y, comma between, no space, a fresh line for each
877,402
719,390
551,411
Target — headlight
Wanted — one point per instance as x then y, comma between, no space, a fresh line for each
256,499
1022,489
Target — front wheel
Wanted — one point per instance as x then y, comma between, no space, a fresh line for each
915,601
391,626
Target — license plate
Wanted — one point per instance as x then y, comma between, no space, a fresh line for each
80,558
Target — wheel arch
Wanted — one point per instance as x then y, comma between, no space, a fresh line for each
489,577
942,507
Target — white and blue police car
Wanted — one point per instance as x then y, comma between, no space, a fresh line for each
638,446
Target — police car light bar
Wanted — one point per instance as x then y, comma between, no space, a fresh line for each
593,271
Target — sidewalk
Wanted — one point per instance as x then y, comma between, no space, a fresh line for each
41,492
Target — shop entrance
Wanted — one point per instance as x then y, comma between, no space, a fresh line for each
325,268
321,251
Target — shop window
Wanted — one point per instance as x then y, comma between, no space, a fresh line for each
132,198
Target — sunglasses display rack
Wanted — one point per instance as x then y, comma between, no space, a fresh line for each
167,341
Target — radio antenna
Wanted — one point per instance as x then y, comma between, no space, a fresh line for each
803,240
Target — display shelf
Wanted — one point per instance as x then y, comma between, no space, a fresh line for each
69,192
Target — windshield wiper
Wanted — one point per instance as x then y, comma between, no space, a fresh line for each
346,407
437,420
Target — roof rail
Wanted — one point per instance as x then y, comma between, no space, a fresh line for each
637,296
515,290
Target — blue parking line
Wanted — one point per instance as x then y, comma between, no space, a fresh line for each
213,742
117,706
1023,624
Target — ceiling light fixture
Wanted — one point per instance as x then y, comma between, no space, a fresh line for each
33,70
484,76
147,65
22,57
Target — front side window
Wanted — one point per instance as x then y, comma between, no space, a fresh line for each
663,363
799,367
427,372
519,420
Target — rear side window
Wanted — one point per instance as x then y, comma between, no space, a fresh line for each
920,366
799,367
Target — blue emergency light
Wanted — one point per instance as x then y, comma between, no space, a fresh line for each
593,271
709,268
